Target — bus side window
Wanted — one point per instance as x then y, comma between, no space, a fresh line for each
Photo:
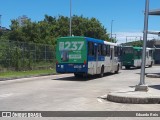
115,51
99,49
111,53
139,54
104,50
150,53
93,51
119,51
147,54
108,50
90,49
136,53
123,51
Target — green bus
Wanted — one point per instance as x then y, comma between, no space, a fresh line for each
132,57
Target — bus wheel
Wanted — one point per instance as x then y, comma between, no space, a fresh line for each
151,64
77,75
117,70
102,71
127,67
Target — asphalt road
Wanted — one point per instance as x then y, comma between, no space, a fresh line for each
67,93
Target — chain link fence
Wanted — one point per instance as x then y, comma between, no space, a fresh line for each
21,56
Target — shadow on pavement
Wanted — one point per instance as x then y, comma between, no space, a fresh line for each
151,86
149,73
154,73
82,79
155,87
132,86
132,68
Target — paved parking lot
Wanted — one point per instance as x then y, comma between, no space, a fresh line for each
67,93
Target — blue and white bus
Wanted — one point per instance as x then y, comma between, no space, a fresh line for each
86,56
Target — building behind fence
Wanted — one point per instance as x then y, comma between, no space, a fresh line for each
18,56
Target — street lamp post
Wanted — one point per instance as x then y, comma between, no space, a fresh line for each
0,21
142,86
111,28
70,25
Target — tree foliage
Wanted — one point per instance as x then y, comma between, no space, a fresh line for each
139,43
134,43
16,51
49,29
89,27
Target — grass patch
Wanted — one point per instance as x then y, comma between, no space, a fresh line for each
10,74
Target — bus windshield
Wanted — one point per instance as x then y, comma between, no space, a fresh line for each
127,50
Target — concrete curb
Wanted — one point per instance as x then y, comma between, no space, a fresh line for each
153,75
133,100
134,97
30,76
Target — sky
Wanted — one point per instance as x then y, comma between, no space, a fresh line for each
128,15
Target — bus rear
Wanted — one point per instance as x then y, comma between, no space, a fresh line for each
71,55
131,57
127,57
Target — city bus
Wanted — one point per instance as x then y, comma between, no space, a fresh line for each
132,57
86,56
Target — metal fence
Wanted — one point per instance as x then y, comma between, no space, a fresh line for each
16,55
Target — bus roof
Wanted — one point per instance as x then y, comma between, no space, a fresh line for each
150,48
100,41
91,39
71,37
137,48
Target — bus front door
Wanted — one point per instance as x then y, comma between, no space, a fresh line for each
112,59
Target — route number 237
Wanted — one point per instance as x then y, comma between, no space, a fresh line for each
71,45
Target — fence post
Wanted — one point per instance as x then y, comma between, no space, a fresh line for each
10,56
23,53
45,52
35,52
17,56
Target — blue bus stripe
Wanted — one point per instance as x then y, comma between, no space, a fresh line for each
94,40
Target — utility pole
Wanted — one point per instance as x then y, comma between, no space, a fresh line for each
111,28
70,25
142,86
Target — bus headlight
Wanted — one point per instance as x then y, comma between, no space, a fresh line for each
62,66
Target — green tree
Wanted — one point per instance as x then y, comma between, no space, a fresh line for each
49,29
17,50
88,27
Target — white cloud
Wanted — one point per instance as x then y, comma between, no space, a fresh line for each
122,37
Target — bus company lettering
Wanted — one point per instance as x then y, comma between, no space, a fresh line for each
71,45
75,56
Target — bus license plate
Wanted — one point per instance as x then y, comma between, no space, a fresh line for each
77,66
